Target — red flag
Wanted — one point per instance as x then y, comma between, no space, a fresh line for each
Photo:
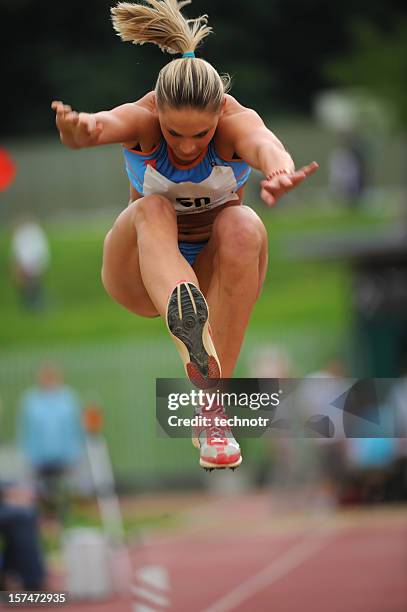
7,170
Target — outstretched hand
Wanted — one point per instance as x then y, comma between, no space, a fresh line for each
272,189
81,129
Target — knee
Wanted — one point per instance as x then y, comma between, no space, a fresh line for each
153,209
146,311
124,295
137,304
240,235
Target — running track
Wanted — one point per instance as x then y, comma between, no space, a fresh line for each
237,554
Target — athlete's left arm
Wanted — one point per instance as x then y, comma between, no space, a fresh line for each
262,150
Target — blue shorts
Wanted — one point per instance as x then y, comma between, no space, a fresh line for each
191,250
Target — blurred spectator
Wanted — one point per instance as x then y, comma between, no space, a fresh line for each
20,551
30,257
370,470
347,170
371,448
270,361
282,467
51,435
398,403
323,423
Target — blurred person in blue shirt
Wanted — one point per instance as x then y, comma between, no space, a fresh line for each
50,434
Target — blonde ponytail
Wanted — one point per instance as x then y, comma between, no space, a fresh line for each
185,82
161,23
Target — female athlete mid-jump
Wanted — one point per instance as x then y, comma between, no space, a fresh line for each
187,248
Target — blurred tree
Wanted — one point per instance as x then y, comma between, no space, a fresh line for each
378,62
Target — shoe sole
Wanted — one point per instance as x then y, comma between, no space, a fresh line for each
219,466
188,324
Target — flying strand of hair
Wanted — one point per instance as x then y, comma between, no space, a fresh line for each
160,22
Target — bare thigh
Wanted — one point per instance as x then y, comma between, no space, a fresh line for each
205,262
121,273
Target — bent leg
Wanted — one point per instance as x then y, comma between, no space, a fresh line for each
162,265
121,275
141,260
231,272
144,271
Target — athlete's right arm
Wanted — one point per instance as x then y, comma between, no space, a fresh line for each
79,130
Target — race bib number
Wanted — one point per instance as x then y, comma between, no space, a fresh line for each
194,203
192,198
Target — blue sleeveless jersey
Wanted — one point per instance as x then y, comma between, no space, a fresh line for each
208,182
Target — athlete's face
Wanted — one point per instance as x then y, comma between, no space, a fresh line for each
187,131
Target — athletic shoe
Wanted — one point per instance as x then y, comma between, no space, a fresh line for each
218,447
187,321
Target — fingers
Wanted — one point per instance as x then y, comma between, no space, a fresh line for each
72,118
310,169
61,108
65,116
297,178
278,186
267,197
282,182
274,188
83,124
286,181
88,124
83,128
299,175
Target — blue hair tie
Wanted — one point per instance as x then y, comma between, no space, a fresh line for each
189,54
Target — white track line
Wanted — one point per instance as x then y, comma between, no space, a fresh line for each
154,588
277,569
153,598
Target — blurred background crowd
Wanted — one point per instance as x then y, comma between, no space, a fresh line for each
331,85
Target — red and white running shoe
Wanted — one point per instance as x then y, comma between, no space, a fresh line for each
188,323
218,447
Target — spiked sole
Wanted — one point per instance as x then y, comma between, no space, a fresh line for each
223,466
187,321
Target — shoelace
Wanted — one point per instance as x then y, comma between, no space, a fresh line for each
217,434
